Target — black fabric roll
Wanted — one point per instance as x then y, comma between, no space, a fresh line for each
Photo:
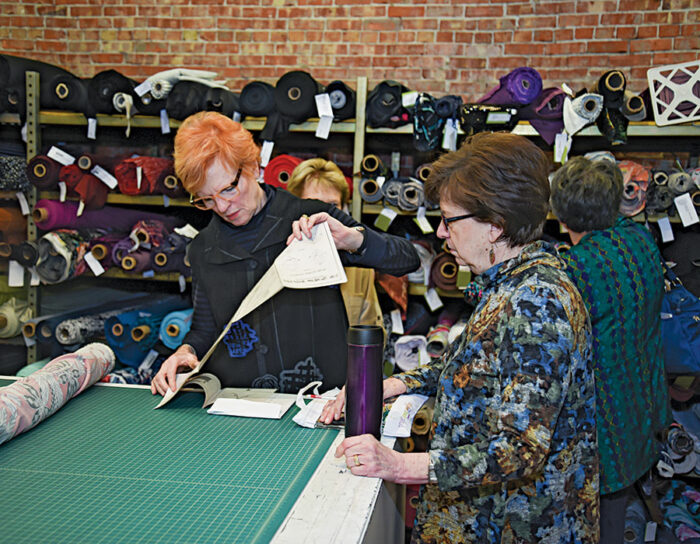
427,124
384,105
448,106
148,105
103,86
43,171
257,99
485,117
342,100
294,96
222,100
27,253
660,199
186,98
613,125
612,86
372,166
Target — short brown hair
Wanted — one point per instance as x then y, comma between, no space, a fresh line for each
321,171
501,178
206,136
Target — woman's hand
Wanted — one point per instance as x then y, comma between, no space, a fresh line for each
345,238
183,358
333,408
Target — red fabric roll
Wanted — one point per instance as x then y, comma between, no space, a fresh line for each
279,170
443,271
86,186
42,172
152,169
396,288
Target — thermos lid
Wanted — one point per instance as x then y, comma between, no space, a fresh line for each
365,335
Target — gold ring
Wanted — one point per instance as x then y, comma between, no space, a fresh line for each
356,457
304,216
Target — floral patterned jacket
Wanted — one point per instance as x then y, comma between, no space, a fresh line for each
513,436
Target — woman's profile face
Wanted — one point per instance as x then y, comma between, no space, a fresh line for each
468,240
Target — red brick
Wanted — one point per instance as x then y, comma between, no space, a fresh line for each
523,49
658,44
626,32
499,23
547,8
666,31
406,11
610,46
674,57
484,11
583,33
538,22
648,31
577,21
597,6
688,43
483,37
543,35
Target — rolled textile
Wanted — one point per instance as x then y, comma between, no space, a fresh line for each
457,329
438,335
427,124
396,287
13,173
448,106
13,314
426,254
25,253
147,104
52,214
635,183
423,419
101,247
412,195
257,99
121,248
370,191
148,233
171,255
409,352
279,170
170,185
678,440
30,400
419,318
680,182
86,162
43,171
130,347
89,188
385,107
581,111
423,171
13,225
613,125
611,85
635,522
162,82
443,272
660,177
186,98
222,100
372,167
83,329
520,86
70,174
661,199
392,190
142,375
695,197
61,255
126,172
174,327
545,113
635,171
633,107
103,86
476,118
294,96
136,261
342,100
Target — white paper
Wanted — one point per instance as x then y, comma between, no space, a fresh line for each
380,181
666,229
562,145
15,274
324,127
686,209
62,191
422,221
94,264
34,278
433,299
188,230
399,420
139,177
323,105
22,200
143,88
105,177
182,282
409,99
395,163
92,128
449,137
164,122
266,152
249,408
60,156
396,323
389,214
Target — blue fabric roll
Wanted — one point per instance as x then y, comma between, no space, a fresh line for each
174,327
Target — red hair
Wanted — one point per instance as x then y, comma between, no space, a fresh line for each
206,136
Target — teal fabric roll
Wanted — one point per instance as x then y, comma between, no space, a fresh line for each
174,327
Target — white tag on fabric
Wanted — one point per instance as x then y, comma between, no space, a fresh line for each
666,229
564,87
164,122
309,413
323,105
562,144
422,221
94,264
395,163
148,274
237,116
324,127
34,279
380,181
408,100
188,230
384,219
62,189
650,532
81,208
266,152
22,200
449,135
92,128
15,274
497,117
686,209
433,299
396,323
105,177
149,358
143,88
23,133
182,282
60,156
399,420
166,201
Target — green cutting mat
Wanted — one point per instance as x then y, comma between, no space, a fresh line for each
108,468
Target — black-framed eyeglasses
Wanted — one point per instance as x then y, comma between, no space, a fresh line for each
227,193
447,220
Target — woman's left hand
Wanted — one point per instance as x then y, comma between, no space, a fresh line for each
366,456
345,238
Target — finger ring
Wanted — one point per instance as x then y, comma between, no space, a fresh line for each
356,457
304,216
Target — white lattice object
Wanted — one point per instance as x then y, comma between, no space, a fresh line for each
675,93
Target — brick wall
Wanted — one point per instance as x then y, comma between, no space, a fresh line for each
438,46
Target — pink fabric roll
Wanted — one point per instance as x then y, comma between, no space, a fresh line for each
29,401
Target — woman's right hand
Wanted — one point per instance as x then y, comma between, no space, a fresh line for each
333,408
183,358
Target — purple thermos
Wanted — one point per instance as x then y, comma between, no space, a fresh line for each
364,388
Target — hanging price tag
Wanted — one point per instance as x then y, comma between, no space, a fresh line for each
23,205
62,191
666,230
686,209
395,163
92,128
266,152
60,156
396,323
464,276
143,88
105,177
34,279
94,264
433,299
164,122
182,282
449,135
15,274
422,221
380,181
236,116
325,115
384,219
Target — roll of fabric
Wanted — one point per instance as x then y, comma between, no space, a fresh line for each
13,314
370,191
121,248
407,351
423,419
52,214
257,99
119,330
636,181
545,113
149,233
148,105
678,440
412,195
423,171
102,87
152,168
581,111
457,329
372,167
28,401
392,190
419,318
172,255
385,107
396,288
279,170
83,329
680,182
448,106
186,98
27,253
633,107
91,191
136,261
476,118
42,172
61,255
174,327
611,85
426,254
613,125
443,272
660,177
294,96
438,335
662,199
427,124
101,247
342,100
635,522
170,185
222,100
520,86
13,225
13,173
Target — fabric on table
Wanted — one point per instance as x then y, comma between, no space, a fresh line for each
392,190
633,107
427,124
613,125
13,225
174,327
52,214
385,107
443,272
412,195
611,85
13,314
475,118
680,182
28,401
13,173
545,113
407,351
342,100
635,183
279,170
448,106
142,375
581,111
43,171
222,100
102,87
372,167
151,170
370,191
520,86
186,98
257,99
61,255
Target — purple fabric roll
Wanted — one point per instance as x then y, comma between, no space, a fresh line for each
521,86
137,261
363,406
121,249
63,215
546,112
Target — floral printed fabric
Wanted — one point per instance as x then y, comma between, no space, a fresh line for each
513,436
29,401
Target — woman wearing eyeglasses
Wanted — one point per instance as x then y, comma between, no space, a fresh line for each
512,454
296,337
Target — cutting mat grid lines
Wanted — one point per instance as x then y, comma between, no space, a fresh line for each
107,468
